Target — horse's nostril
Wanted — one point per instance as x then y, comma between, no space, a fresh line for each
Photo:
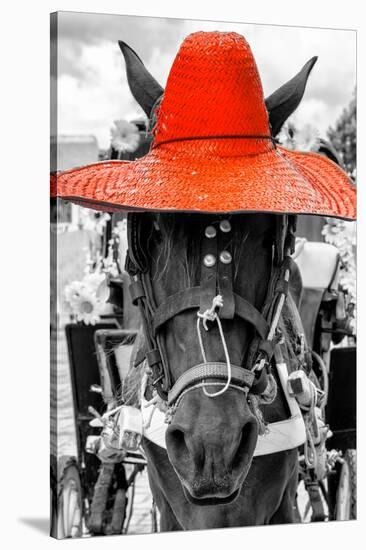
247,441
175,439
177,443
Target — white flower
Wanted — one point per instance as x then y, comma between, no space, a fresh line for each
109,264
125,136
93,221
84,304
72,292
88,308
86,298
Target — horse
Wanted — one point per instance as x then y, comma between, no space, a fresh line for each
208,475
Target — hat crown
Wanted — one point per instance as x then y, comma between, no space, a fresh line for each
213,89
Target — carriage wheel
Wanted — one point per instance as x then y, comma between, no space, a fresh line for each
69,502
346,493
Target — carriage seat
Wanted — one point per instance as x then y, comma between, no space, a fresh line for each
318,263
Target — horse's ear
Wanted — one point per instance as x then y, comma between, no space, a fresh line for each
283,102
145,89
327,149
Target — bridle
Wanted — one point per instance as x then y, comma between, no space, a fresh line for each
216,277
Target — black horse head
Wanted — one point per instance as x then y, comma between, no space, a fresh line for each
210,442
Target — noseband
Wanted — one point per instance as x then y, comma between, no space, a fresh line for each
216,276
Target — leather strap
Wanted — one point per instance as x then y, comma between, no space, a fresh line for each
250,313
161,377
281,229
204,371
190,299
153,357
225,278
208,274
313,490
136,291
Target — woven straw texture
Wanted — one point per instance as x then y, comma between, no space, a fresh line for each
213,89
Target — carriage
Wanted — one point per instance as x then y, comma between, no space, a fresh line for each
331,496
310,328
93,492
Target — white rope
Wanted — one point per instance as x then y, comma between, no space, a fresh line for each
211,315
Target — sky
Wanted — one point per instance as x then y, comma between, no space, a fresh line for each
92,83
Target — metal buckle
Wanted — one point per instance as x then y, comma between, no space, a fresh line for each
155,382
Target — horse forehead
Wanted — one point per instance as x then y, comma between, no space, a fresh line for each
178,249
178,255
175,227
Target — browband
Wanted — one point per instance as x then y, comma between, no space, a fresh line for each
190,299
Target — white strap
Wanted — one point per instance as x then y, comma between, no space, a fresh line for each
282,436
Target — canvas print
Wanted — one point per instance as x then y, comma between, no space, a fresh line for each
203,275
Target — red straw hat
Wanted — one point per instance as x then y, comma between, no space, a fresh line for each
213,150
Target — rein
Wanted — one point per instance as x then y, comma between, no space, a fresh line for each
211,307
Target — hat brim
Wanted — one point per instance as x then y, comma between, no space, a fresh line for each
166,179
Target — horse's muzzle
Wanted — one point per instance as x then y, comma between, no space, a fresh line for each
211,451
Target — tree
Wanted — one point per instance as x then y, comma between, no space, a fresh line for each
339,232
343,137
